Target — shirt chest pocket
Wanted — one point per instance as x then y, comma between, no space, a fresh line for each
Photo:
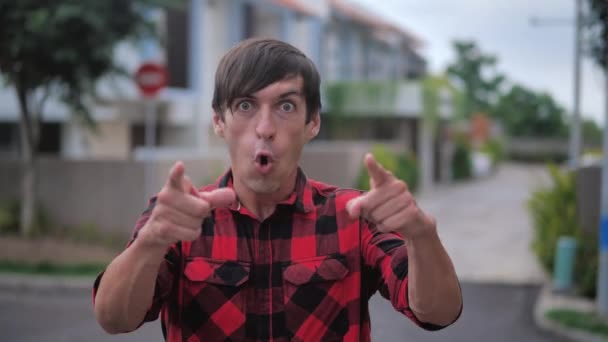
315,298
214,299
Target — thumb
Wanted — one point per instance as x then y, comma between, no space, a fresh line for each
354,207
219,198
188,187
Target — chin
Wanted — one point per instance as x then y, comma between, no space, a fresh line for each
264,186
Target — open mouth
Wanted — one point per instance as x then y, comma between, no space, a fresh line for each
263,162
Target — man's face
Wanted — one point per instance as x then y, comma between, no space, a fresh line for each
265,133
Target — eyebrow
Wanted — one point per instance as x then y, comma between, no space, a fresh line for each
282,96
290,93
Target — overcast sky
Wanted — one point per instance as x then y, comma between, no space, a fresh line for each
539,57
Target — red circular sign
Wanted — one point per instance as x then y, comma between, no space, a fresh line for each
151,78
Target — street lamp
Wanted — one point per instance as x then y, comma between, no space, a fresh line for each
575,126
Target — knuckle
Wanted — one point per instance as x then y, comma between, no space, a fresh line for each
164,196
165,232
407,199
401,186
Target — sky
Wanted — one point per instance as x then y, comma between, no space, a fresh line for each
539,57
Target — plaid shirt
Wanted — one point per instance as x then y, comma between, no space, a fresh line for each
305,273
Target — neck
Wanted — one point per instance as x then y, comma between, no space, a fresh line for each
263,205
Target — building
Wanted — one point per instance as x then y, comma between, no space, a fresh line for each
349,44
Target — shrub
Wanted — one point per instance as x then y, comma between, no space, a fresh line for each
495,149
586,265
10,219
553,211
462,165
403,166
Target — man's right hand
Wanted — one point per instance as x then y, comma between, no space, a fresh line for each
180,210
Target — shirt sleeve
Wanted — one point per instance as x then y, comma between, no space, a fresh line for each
385,255
167,274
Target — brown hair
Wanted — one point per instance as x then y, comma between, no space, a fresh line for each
255,63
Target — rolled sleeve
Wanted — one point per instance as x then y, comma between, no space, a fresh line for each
386,254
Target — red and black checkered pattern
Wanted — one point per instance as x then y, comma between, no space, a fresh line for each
306,273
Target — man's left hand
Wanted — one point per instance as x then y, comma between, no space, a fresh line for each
389,204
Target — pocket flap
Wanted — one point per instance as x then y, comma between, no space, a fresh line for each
318,270
229,273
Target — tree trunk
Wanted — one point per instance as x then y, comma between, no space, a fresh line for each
28,165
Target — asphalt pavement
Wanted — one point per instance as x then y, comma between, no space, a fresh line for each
492,313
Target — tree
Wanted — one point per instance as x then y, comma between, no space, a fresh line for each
592,133
598,25
524,112
60,49
475,74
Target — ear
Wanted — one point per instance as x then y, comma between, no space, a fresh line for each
218,125
314,126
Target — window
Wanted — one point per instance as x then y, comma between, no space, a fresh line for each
178,47
248,21
7,135
50,138
138,135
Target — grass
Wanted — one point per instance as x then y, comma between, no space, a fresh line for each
47,268
586,321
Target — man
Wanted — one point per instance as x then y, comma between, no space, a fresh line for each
265,253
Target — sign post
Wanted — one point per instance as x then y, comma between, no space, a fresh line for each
150,78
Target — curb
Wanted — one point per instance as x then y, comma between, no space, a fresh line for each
547,300
14,282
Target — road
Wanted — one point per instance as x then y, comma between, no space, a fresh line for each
486,227
492,313
486,230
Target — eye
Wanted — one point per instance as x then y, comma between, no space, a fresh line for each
287,107
244,106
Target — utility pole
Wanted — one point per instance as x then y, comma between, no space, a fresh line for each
575,129
574,147
602,276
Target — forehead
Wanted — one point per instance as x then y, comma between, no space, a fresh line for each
287,86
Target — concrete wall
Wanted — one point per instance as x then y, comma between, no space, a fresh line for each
537,146
110,194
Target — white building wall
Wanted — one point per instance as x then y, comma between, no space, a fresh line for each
358,58
331,57
267,22
300,38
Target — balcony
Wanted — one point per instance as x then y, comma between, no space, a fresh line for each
394,99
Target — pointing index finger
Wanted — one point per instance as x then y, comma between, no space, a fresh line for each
176,176
377,172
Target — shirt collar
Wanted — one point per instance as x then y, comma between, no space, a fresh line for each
300,199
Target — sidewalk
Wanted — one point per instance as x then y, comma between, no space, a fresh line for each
547,300
12,282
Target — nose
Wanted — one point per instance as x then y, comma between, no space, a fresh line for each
266,126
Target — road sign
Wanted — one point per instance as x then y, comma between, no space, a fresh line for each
151,78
